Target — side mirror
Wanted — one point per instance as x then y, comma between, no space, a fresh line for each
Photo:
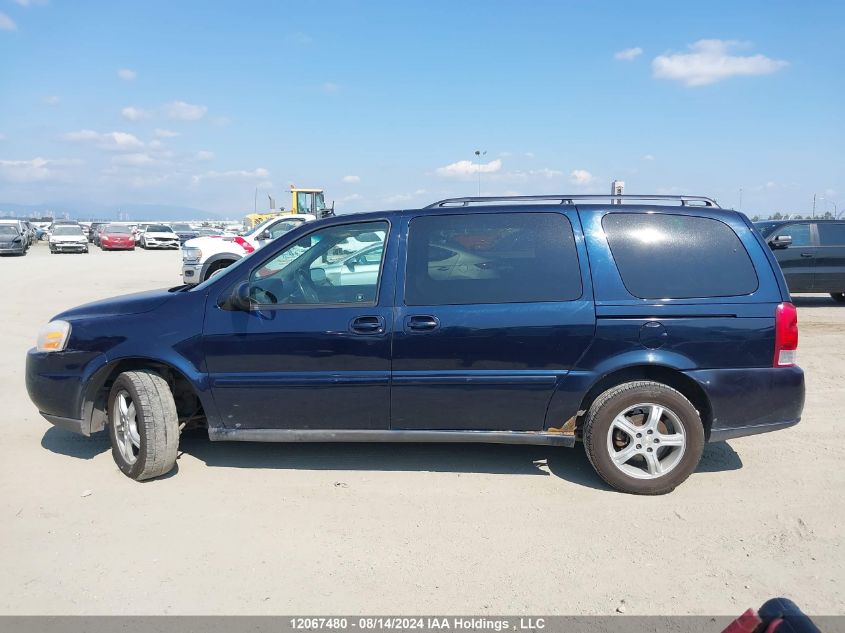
239,299
17,239
265,235
781,241
318,275
350,265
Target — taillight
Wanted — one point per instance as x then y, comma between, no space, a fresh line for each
786,335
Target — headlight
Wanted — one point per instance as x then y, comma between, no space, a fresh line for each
191,254
53,336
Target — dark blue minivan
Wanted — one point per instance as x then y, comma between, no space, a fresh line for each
642,326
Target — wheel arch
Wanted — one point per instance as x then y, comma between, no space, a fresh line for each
669,376
191,402
215,259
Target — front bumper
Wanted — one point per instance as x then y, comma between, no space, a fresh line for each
17,250
55,382
191,273
69,247
751,401
114,246
152,243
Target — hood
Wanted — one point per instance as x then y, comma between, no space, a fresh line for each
161,235
68,238
136,303
116,236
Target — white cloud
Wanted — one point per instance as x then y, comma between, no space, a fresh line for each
330,87
35,170
352,197
240,174
580,177
404,197
351,180
710,61
6,23
131,113
628,54
114,141
648,157
160,133
127,74
2,137
204,155
136,159
466,168
52,100
183,111
29,3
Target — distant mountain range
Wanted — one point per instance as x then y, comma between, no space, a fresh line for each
105,212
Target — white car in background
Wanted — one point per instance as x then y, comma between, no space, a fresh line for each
158,236
204,256
67,238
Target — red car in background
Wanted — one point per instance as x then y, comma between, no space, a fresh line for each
114,237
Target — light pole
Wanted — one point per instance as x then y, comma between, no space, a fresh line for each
479,154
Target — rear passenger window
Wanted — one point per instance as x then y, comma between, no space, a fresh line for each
491,258
831,234
664,256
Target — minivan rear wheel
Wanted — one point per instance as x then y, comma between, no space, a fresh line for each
143,425
643,437
838,297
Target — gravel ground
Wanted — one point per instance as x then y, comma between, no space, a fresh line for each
267,529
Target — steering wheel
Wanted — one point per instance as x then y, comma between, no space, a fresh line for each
306,287
261,296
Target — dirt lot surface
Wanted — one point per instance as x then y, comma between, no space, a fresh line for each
400,529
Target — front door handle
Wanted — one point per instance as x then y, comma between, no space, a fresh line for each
806,254
422,323
367,325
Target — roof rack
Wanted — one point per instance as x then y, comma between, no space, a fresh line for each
684,201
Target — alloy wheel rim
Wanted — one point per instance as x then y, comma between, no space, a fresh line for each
646,441
126,427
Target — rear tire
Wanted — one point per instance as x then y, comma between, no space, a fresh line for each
143,425
838,297
643,437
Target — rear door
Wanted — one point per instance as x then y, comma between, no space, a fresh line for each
493,313
830,257
798,260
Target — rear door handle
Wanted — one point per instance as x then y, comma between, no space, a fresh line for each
422,323
806,254
367,325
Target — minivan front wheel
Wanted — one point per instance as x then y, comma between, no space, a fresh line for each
643,437
143,425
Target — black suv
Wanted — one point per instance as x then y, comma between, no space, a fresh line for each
811,254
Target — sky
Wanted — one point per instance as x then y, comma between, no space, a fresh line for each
214,105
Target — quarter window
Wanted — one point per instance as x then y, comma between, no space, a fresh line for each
831,234
667,256
491,258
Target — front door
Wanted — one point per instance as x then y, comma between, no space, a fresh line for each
314,350
797,261
494,311
830,257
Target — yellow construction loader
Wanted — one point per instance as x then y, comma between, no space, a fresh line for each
303,200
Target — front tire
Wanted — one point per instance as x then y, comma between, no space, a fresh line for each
643,437
838,297
143,425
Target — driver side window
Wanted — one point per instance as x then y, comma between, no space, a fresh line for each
335,265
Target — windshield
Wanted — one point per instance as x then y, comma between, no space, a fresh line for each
182,227
159,228
67,230
7,230
117,229
766,227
